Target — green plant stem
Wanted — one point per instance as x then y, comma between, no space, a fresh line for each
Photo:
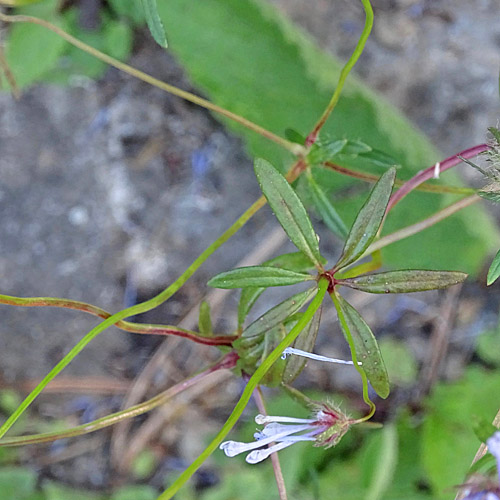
429,188
131,311
144,328
248,391
361,371
296,149
227,362
311,138
420,226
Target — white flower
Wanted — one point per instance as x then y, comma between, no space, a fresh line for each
325,429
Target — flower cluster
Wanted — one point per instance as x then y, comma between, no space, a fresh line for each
326,428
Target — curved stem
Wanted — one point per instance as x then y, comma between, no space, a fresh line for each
247,392
360,370
296,149
430,188
429,173
311,138
144,328
131,311
227,362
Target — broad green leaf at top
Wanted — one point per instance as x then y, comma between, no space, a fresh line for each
368,220
282,80
288,209
154,22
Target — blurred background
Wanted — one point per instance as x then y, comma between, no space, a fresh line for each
110,188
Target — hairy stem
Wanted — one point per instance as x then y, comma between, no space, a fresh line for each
228,362
144,328
278,474
311,138
248,391
296,149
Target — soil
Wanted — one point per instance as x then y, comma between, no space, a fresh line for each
110,189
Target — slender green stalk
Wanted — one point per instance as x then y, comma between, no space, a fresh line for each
247,393
296,149
131,311
420,226
311,139
134,411
141,328
350,341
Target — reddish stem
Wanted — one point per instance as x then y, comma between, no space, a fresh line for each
428,173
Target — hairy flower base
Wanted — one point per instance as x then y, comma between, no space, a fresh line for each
325,429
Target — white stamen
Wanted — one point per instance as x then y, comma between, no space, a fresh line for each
317,357
437,170
266,419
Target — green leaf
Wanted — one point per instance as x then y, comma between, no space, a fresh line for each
248,298
33,50
483,428
448,442
295,261
258,276
366,348
326,210
293,136
154,22
494,270
325,150
305,341
135,492
495,133
282,80
204,319
490,194
288,209
405,281
275,316
380,463
368,220
17,483
130,9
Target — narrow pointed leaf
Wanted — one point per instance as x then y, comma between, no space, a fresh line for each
368,220
257,276
325,151
305,341
494,271
278,314
295,261
326,210
288,209
405,281
495,133
248,298
294,136
205,320
366,347
154,22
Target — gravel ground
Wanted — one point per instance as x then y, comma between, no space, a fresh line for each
110,189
